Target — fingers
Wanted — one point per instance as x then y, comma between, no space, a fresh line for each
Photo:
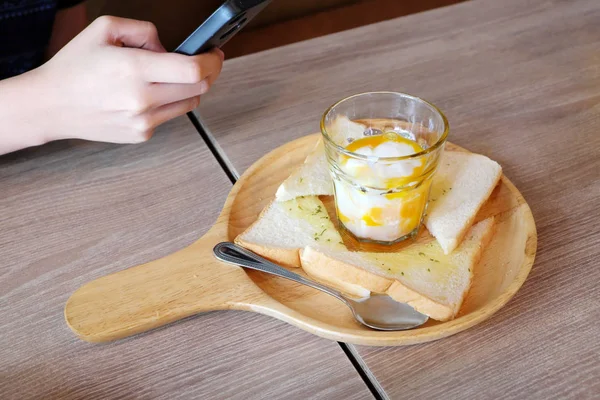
141,127
178,68
157,65
166,93
220,53
169,111
149,96
129,33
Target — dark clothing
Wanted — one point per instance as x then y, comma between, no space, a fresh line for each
25,28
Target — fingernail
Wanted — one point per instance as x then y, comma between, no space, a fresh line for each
221,54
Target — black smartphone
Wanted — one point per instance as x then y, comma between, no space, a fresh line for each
232,16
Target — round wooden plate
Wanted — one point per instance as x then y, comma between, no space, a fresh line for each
192,280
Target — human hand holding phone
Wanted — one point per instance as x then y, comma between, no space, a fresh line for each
122,83
114,82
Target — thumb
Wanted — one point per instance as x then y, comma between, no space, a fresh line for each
128,33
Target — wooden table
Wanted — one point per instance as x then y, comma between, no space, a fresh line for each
520,82
71,212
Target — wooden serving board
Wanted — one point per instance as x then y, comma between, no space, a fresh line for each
191,280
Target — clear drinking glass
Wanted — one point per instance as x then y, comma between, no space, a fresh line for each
383,149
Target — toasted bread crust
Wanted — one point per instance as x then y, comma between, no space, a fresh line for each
419,302
485,240
345,277
279,255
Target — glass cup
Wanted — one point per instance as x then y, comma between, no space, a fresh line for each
382,149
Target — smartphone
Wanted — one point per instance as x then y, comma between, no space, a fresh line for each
232,16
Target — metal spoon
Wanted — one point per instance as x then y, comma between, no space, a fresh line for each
378,311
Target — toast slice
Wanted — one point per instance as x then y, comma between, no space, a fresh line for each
283,228
420,275
299,232
343,128
462,184
312,178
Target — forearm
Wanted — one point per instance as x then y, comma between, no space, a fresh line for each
21,124
24,119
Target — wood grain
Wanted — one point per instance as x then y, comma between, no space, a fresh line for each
71,212
191,280
519,82
327,20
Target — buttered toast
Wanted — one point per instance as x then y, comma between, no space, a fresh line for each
300,233
283,228
420,275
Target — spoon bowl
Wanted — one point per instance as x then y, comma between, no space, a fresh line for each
377,311
381,312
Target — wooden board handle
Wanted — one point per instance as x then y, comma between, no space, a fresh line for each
159,292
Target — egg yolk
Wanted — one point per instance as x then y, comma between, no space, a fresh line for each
363,171
374,141
380,213
374,217
342,217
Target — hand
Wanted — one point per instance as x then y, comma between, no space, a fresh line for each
115,82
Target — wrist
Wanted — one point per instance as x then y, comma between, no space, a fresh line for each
46,96
23,125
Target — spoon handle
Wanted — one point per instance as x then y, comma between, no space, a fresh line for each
233,254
